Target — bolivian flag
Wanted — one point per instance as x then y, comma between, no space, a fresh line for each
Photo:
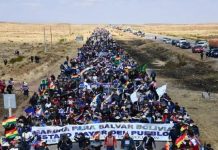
11,133
180,139
9,121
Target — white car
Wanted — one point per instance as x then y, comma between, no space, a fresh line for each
202,43
168,41
181,41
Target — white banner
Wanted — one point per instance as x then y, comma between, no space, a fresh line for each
137,131
161,90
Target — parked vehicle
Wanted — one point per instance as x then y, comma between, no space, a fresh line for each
185,45
168,41
202,43
164,40
174,42
213,43
212,53
182,40
197,49
177,44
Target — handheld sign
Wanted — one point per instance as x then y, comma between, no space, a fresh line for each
9,102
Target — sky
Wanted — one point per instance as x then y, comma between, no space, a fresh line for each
109,11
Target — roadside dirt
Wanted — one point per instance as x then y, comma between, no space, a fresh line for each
27,41
186,76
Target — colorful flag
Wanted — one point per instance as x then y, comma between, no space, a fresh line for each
51,86
183,128
180,139
9,121
11,133
142,68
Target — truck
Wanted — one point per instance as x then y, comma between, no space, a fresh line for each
213,43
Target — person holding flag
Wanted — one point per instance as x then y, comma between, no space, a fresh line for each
181,139
194,142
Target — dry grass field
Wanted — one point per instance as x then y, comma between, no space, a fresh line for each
186,77
201,31
29,40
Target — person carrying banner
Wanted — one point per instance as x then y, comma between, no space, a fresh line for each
148,142
127,142
96,144
43,146
65,143
110,142
83,141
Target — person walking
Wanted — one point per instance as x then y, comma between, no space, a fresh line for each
153,75
202,55
83,141
65,143
110,142
127,142
25,89
148,142
173,136
96,144
10,86
5,62
2,86
32,59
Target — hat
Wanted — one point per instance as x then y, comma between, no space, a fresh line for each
166,111
143,116
180,117
124,118
117,117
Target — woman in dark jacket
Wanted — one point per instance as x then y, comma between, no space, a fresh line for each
127,142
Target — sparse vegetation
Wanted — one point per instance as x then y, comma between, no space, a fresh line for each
17,59
62,40
186,76
201,31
